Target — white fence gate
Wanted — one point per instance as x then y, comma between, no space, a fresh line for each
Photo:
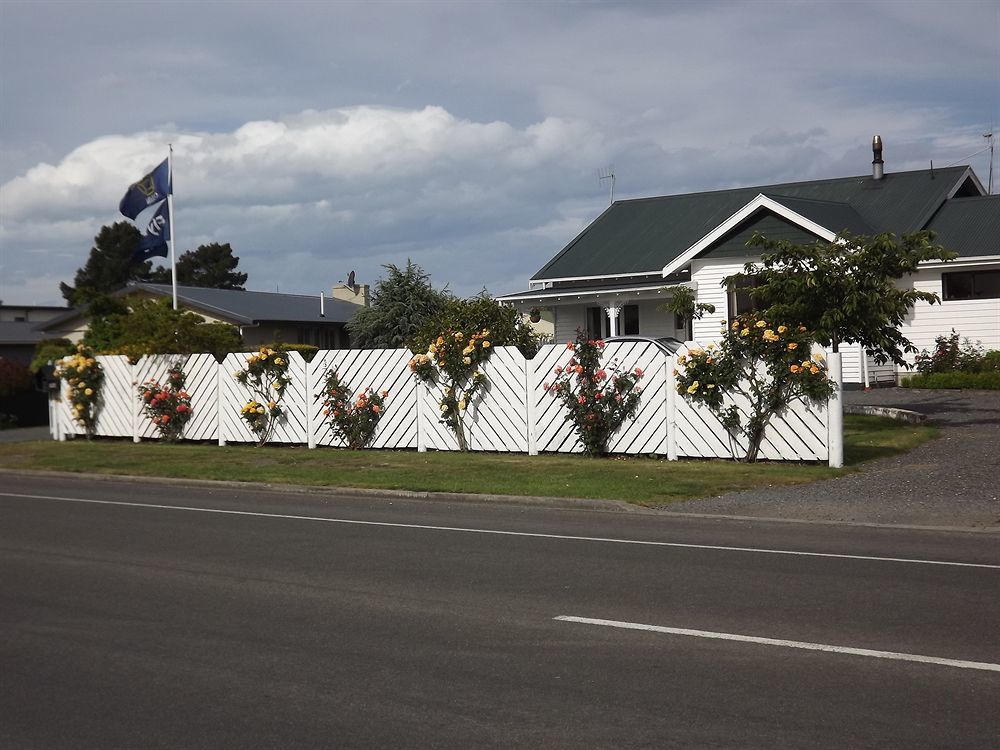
513,413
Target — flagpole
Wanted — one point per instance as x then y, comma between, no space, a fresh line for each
170,214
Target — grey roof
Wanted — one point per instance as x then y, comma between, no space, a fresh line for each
969,226
645,234
836,217
19,332
254,307
237,306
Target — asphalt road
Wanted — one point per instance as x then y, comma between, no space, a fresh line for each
225,618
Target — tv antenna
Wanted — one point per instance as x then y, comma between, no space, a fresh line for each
608,173
989,140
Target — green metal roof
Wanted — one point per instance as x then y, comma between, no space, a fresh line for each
969,226
645,234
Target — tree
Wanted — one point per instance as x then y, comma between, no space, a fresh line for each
109,267
145,326
480,313
400,306
843,291
211,265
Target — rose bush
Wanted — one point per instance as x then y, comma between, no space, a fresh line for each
84,376
598,399
453,361
167,405
354,423
266,377
769,365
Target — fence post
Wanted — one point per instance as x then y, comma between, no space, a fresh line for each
835,407
133,406
419,393
220,400
671,405
310,427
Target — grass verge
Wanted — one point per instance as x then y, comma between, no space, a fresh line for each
640,480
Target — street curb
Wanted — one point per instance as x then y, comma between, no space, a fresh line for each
900,415
557,503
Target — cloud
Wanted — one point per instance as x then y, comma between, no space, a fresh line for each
314,137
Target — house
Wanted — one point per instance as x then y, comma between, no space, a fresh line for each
19,330
610,279
262,317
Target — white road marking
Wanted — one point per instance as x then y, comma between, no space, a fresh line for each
984,666
496,532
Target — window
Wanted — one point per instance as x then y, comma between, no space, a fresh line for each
741,301
628,323
971,285
598,325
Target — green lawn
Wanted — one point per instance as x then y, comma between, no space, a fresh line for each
640,480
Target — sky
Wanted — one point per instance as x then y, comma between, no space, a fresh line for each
319,138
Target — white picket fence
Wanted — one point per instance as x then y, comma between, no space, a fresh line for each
513,413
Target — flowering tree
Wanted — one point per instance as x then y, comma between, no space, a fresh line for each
84,376
770,366
453,360
353,423
598,400
167,405
266,377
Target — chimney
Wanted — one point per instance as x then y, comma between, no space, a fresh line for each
877,163
357,294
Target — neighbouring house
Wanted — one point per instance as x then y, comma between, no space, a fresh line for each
610,279
19,329
262,317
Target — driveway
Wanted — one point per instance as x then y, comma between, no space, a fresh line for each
951,481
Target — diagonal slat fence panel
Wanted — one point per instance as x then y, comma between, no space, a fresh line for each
513,413
360,369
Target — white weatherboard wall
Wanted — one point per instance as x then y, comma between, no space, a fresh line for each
513,413
975,319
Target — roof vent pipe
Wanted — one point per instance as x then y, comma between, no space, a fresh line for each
877,163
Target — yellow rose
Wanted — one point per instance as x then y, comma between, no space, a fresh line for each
89,392
782,329
794,368
761,324
745,332
279,361
792,346
486,345
461,405
467,360
693,387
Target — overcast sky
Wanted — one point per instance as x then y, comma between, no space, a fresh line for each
319,137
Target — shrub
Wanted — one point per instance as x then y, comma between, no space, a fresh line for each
598,399
953,355
14,378
307,351
985,381
168,406
354,423
50,350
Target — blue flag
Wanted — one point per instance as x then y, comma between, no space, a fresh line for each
154,235
151,189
